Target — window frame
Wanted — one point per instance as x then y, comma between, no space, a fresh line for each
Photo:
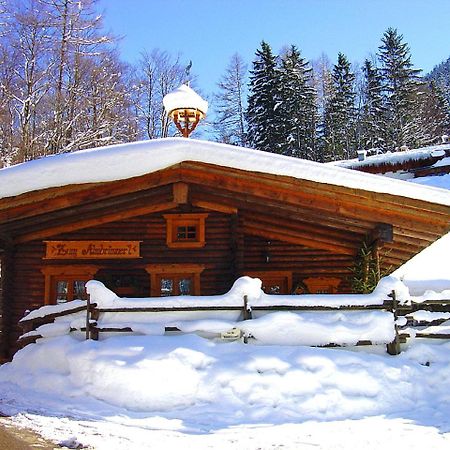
156,271
70,273
174,221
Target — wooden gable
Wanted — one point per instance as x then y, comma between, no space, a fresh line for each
321,216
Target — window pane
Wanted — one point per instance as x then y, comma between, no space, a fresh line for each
186,232
184,286
166,287
79,291
62,287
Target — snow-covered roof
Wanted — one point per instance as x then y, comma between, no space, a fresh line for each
429,269
130,160
393,158
184,97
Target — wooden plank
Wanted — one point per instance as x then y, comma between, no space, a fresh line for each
180,193
215,207
49,318
46,200
315,231
296,238
343,201
59,229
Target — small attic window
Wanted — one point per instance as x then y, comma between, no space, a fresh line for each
185,230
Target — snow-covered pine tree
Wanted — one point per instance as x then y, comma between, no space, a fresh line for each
339,113
230,108
298,107
373,115
400,85
263,117
439,83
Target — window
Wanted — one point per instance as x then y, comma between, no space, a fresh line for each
66,283
174,279
68,289
274,282
185,230
175,284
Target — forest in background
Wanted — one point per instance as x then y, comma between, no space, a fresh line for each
64,87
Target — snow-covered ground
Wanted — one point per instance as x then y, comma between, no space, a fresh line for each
154,392
172,391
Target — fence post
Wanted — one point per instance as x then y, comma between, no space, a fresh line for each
393,348
88,317
247,311
247,315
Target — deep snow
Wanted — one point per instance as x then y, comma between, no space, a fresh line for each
171,391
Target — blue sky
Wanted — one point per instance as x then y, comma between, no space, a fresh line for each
209,32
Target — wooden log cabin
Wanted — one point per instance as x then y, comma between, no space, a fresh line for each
179,216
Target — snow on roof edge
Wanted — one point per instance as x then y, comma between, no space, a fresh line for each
393,158
123,161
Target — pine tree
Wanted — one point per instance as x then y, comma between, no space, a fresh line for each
373,120
298,109
230,123
263,118
339,113
400,85
439,84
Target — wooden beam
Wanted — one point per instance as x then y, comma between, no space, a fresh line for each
113,217
89,210
218,207
359,204
46,200
180,193
316,231
295,238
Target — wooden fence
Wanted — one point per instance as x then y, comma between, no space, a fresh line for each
409,328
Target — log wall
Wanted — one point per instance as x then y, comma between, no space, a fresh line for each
226,255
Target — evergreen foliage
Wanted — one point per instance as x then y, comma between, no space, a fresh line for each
373,116
439,82
264,128
298,106
400,86
340,114
367,271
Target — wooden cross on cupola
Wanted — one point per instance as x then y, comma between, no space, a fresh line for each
186,108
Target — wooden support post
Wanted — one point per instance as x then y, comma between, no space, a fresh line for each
247,316
376,257
393,348
88,317
247,310
94,332
237,246
6,300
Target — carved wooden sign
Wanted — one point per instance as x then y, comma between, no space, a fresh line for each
92,249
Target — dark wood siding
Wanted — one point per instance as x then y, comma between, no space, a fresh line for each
303,262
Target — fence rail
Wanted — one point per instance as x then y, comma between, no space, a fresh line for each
93,329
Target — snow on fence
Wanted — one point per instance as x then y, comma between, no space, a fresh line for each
385,317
